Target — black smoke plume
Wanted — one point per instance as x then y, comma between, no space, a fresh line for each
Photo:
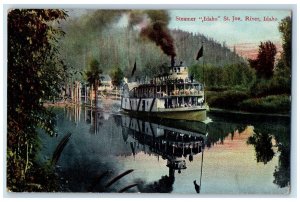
156,29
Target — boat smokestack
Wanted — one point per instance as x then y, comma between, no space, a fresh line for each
172,61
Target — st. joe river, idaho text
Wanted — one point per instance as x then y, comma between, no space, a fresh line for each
227,19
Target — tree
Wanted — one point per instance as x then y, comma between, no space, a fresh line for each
93,76
117,76
285,27
264,63
35,74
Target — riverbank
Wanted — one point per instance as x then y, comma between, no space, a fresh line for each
240,101
105,105
227,111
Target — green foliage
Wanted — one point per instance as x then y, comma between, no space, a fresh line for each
268,104
213,76
35,74
241,100
226,99
285,27
93,72
93,76
229,76
240,75
264,63
280,83
117,76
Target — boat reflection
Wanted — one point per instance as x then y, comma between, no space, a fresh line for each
179,143
169,143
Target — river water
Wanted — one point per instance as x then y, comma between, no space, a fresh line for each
112,152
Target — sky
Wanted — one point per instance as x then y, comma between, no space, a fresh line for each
244,35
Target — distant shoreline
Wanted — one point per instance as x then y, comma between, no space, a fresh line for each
219,110
211,109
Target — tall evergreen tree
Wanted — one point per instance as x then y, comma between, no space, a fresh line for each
117,77
93,76
285,27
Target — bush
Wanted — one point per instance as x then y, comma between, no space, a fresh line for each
268,104
217,88
226,99
278,84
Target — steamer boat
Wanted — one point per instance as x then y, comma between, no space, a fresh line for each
174,95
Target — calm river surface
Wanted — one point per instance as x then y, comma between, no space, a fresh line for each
232,154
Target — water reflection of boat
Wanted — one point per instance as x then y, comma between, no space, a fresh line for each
177,125
172,144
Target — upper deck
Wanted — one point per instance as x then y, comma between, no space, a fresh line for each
175,83
168,89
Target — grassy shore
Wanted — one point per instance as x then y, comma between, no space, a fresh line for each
242,101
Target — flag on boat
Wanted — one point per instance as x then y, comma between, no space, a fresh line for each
134,68
200,53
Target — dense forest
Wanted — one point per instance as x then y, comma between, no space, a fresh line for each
116,46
